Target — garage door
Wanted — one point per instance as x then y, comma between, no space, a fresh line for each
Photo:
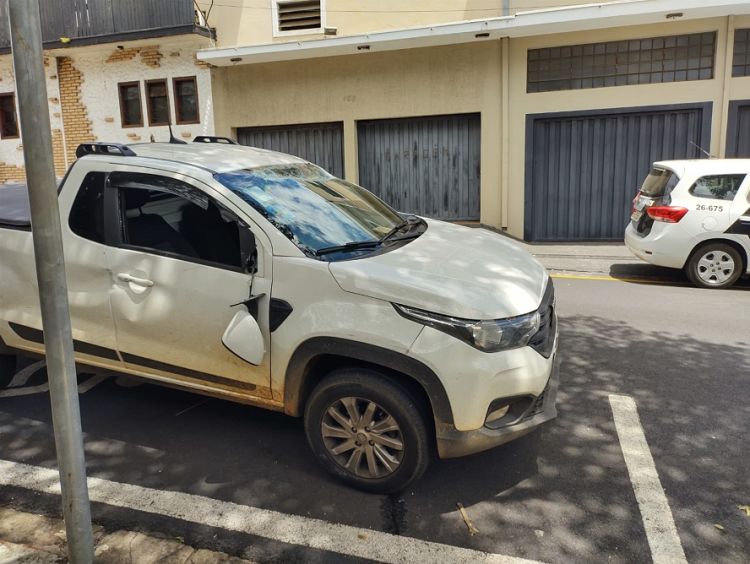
582,170
738,130
319,143
428,165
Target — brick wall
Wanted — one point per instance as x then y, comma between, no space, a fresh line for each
75,115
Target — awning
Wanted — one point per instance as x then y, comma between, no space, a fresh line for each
523,24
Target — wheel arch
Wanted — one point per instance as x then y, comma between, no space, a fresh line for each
739,247
318,356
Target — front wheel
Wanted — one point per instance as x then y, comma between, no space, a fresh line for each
715,265
367,431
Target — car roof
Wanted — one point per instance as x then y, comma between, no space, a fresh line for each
706,166
216,157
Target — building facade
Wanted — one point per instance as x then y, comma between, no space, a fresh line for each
118,72
536,117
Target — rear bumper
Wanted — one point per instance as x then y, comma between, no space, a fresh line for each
452,443
651,248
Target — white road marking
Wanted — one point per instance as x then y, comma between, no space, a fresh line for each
23,375
16,389
273,525
657,516
84,387
15,392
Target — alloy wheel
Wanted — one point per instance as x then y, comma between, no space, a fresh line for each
715,267
362,437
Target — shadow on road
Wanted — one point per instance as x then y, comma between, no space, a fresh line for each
649,273
561,494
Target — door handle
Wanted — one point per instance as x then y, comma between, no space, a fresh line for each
124,277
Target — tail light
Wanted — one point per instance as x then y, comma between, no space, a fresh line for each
667,214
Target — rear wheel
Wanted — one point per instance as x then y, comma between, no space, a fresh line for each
715,265
7,369
367,431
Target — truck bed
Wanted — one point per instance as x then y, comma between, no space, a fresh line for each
14,206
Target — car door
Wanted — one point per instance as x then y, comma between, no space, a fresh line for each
710,202
740,215
178,279
82,218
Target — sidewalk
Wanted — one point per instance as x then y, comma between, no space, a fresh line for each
27,538
602,259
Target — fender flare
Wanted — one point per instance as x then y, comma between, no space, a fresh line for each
304,357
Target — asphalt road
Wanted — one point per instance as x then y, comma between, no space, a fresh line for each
561,494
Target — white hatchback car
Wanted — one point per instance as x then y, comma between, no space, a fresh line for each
695,215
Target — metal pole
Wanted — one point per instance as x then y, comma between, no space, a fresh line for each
28,66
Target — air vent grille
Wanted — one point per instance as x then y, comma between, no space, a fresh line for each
295,16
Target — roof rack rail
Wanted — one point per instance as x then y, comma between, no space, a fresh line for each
214,139
104,149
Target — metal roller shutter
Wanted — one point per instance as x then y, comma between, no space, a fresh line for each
319,143
429,166
583,169
738,130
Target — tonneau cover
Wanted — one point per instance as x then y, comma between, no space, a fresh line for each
14,205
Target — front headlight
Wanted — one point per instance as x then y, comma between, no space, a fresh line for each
486,335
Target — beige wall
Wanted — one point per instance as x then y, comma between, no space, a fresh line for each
718,91
458,79
420,82
250,22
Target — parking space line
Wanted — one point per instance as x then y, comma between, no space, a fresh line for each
273,525
655,512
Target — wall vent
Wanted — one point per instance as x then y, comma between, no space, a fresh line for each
299,15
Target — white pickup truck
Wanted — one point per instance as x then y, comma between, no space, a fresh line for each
257,277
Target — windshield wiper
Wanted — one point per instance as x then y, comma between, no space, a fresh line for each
351,246
408,222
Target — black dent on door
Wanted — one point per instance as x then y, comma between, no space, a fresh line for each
279,311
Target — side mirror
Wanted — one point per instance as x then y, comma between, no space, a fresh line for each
244,338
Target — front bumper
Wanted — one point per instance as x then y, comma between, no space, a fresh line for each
452,443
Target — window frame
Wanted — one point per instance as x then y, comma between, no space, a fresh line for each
663,59
737,193
115,237
288,33
12,96
176,98
148,84
120,85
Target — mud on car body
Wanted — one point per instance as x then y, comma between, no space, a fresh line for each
258,277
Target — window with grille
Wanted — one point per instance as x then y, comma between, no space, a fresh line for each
299,15
131,112
8,117
157,101
656,60
741,55
186,100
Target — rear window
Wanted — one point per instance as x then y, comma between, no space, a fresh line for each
717,186
659,182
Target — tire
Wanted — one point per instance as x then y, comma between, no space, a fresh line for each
8,364
359,389
714,266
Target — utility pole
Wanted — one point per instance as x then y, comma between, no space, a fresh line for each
28,67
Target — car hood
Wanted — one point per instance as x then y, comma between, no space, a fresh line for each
450,269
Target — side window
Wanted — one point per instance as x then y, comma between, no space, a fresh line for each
87,214
717,187
167,216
